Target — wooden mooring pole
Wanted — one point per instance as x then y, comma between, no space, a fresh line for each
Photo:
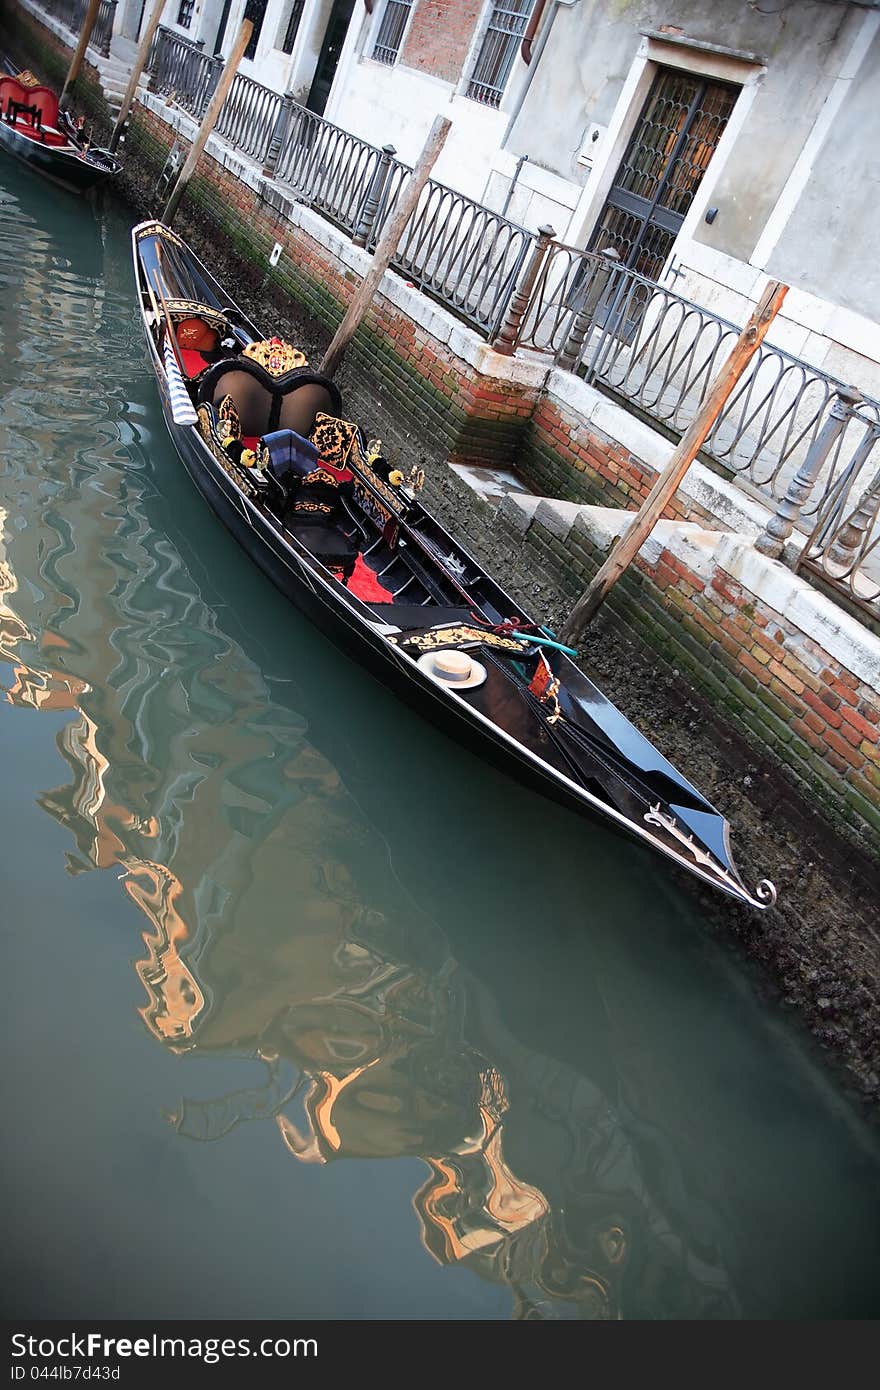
76,61
387,245
683,456
140,63
209,120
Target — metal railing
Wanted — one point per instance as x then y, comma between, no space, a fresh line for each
465,254
180,70
330,169
72,14
249,117
659,352
639,341
844,545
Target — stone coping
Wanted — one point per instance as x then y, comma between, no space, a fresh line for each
703,551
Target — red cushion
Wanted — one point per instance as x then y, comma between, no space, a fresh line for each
47,101
193,362
364,584
43,98
11,87
342,475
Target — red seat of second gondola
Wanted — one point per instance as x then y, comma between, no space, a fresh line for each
47,103
32,110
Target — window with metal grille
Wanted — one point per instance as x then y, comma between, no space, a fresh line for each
503,36
292,26
185,13
255,11
390,36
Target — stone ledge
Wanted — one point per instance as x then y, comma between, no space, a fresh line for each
702,551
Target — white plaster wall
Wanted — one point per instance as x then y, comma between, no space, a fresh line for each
397,105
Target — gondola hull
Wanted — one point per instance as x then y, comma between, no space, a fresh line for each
65,166
349,635
592,760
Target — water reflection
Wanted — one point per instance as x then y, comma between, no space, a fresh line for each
420,959
276,931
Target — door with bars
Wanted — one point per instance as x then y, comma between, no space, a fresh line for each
676,135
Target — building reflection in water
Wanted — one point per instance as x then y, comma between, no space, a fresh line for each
277,932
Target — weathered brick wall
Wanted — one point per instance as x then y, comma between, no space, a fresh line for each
779,688
563,457
440,35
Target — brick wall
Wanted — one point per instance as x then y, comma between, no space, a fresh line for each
440,36
564,457
776,686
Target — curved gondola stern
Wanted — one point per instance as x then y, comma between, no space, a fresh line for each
617,765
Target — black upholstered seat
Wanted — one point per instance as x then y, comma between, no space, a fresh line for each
265,404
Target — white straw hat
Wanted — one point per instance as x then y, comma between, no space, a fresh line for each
456,670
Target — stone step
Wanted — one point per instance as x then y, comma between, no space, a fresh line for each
123,48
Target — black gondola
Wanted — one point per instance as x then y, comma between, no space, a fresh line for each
345,538
35,131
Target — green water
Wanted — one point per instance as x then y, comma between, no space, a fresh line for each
307,1012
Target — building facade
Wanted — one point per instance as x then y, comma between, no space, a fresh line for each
712,144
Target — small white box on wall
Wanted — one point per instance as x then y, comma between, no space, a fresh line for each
593,138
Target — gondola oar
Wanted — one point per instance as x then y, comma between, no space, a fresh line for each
182,409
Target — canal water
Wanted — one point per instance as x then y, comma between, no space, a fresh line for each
307,1012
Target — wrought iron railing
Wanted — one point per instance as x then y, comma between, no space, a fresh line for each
330,169
844,544
72,15
659,352
249,116
465,254
103,30
180,70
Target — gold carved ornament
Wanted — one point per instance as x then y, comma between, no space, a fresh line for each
275,356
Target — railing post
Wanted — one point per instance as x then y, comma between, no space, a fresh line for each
279,135
582,322
366,220
508,335
156,61
215,73
851,536
772,540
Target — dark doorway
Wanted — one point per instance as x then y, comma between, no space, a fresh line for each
255,11
328,58
677,133
221,28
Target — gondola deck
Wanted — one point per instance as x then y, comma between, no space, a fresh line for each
387,582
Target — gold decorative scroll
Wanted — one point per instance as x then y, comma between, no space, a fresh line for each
458,635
